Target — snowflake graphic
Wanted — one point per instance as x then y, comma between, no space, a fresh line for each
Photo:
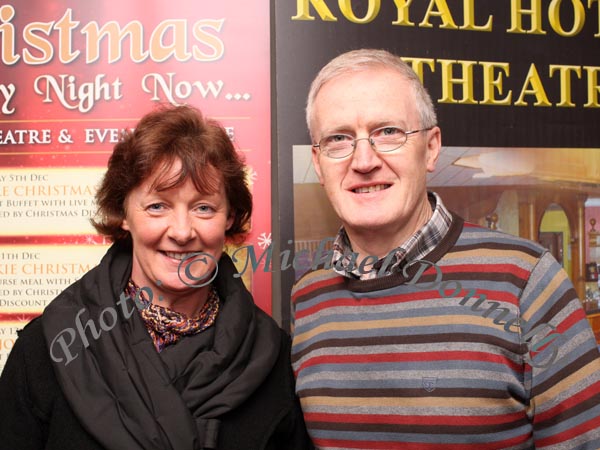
23,319
253,175
264,240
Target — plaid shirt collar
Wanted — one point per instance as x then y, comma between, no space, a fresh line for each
416,247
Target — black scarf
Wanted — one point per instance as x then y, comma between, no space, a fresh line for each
130,397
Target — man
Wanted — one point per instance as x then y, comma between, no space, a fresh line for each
422,331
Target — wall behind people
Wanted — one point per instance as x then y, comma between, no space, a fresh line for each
75,75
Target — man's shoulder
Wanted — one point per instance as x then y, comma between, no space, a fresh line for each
319,278
475,237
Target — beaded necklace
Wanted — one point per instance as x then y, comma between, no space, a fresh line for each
166,326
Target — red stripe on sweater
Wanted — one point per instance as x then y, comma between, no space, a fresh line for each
432,295
571,320
571,433
350,301
409,357
568,403
386,445
512,269
413,420
320,284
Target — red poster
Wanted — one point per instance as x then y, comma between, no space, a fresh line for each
73,76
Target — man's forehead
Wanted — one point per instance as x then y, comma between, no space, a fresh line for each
365,98
365,73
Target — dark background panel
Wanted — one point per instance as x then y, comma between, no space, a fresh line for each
302,47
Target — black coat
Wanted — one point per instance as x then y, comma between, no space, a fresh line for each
34,414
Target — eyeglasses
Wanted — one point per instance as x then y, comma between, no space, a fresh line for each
384,139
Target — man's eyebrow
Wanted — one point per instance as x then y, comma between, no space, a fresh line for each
338,130
388,123
373,125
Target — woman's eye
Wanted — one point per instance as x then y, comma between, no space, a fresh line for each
205,209
155,207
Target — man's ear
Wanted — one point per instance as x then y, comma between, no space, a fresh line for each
434,145
316,163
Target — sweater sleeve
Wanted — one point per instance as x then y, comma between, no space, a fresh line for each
21,424
562,362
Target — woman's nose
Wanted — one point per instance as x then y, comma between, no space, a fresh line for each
180,228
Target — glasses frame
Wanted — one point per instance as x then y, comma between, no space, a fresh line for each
370,140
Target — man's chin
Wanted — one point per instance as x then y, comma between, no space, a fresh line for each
368,225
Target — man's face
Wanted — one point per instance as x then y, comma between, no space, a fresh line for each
371,192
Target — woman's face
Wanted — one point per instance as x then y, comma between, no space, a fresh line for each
168,227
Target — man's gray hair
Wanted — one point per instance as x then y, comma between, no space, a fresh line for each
360,60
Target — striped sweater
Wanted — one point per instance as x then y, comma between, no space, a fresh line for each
410,361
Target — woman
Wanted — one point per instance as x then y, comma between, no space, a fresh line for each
158,347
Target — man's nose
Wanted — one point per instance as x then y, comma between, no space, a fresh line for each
365,158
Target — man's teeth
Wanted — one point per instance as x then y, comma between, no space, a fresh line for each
180,256
378,187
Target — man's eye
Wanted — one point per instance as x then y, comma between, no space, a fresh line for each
337,138
387,131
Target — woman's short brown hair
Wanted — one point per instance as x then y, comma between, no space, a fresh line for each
162,137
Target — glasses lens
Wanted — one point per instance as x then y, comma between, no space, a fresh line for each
337,145
387,139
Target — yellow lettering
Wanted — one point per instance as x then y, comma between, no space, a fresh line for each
448,81
113,33
303,12
211,41
578,18
7,31
442,11
592,85
38,42
161,51
516,13
64,26
493,83
565,82
469,18
403,19
418,63
372,11
590,2
536,88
